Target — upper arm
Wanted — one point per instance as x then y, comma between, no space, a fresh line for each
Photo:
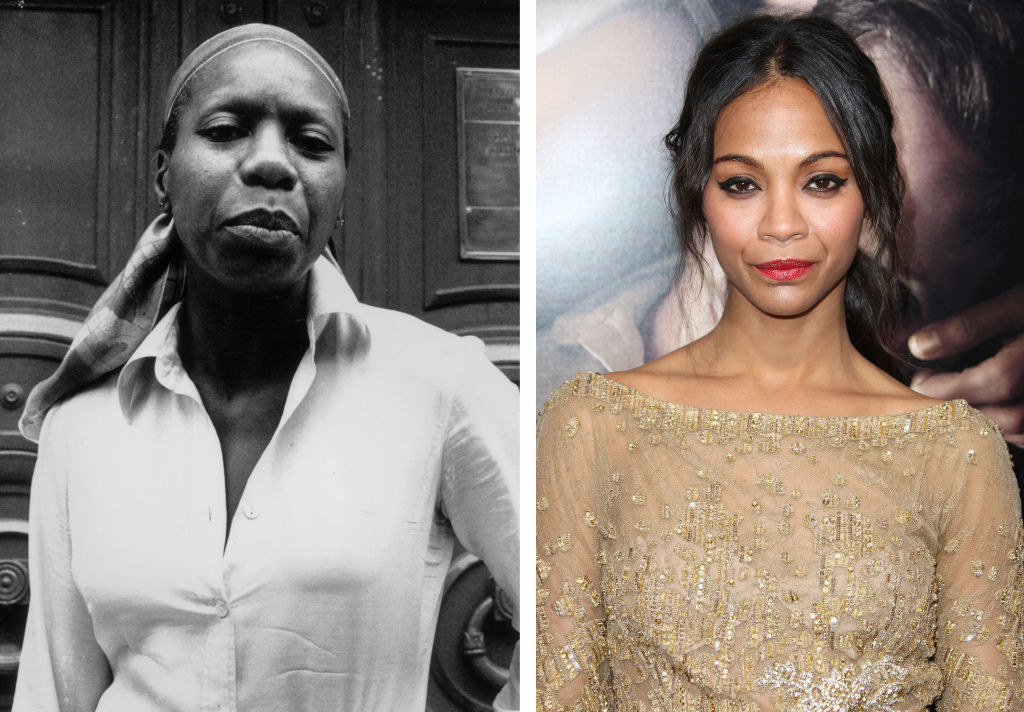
480,478
480,466
62,666
979,634
571,660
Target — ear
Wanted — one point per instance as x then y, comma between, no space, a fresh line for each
160,180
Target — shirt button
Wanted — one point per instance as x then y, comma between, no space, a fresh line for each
251,511
222,609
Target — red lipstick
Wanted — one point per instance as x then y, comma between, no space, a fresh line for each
784,270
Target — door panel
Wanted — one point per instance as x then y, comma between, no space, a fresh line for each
68,149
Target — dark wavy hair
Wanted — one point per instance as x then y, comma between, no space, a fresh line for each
768,48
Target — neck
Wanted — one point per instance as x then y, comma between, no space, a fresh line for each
233,341
812,349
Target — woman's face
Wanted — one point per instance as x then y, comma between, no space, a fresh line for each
257,174
782,205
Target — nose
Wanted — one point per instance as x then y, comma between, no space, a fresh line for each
782,219
268,162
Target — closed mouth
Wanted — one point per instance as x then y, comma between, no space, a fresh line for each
784,264
271,220
784,270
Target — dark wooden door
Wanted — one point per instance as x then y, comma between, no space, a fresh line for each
81,92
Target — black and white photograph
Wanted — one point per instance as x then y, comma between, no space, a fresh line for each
259,355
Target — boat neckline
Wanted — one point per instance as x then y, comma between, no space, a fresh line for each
726,412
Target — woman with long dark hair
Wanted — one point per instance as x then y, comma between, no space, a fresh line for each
767,518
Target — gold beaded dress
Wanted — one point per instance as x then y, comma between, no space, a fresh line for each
697,560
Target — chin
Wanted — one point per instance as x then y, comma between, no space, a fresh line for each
784,311
782,307
260,287
261,276
794,299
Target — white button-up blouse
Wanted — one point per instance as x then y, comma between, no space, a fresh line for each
325,595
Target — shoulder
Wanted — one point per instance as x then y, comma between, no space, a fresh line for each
570,396
390,326
77,431
681,376
675,387
970,453
95,406
980,441
575,410
449,375
890,395
404,344
969,431
566,439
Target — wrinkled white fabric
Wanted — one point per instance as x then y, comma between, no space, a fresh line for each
326,593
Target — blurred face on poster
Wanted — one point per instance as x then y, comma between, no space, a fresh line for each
952,71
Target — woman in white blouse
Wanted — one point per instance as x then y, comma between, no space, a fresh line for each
248,488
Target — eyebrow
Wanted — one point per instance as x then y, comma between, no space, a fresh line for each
813,158
240,104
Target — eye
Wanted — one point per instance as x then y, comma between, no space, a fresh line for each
825,183
739,185
312,142
222,132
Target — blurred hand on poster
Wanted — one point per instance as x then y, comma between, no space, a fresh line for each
996,384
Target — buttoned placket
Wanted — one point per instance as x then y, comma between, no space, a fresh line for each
221,681
221,545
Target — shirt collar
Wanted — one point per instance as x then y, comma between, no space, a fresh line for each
330,294
329,298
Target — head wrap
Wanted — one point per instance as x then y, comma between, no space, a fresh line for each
242,35
153,279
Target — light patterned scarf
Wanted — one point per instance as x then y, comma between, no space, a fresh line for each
128,310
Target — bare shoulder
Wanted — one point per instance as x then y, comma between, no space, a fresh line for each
673,377
640,379
891,396
904,400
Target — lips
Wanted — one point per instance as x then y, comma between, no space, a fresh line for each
265,230
784,270
274,220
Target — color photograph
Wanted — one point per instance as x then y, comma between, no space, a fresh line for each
779,355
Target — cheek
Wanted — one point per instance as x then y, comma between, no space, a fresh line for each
193,183
730,224
325,194
841,225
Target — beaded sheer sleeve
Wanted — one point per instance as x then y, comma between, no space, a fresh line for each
693,559
572,665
